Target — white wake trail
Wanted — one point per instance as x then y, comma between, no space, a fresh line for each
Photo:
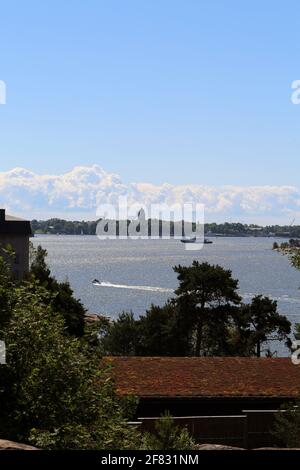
125,286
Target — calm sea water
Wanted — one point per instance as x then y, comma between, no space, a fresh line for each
138,273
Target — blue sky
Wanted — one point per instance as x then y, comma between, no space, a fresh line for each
188,92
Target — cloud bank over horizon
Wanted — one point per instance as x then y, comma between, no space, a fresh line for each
78,193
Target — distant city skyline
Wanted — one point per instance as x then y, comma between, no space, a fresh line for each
184,93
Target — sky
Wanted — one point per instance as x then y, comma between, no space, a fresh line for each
183,93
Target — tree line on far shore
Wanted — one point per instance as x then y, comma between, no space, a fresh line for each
67,227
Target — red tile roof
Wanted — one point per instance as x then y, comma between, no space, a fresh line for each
205,376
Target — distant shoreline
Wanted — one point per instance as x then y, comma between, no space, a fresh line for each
226,229
171,238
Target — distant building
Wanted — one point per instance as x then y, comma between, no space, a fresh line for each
16,232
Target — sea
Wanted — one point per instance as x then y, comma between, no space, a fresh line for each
137,273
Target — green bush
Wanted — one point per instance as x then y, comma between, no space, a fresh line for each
56,393
287,424
168,436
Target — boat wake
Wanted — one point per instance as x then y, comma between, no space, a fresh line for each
126,286
281,298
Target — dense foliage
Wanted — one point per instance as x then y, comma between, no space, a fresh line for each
287,425
64,227
55,391
62,300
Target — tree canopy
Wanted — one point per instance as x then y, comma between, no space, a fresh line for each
55,391
63,300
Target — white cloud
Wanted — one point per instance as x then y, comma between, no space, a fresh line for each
79,192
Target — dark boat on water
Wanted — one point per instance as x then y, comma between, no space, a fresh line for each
188,240
193,240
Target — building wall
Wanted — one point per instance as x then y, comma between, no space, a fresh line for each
202,406
20,244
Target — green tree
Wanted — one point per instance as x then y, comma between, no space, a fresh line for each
287,424
295,258
163,331
63,300
7,289
168,436
153,331
122,336
205,292
95,335
258,323
60,397
38,265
